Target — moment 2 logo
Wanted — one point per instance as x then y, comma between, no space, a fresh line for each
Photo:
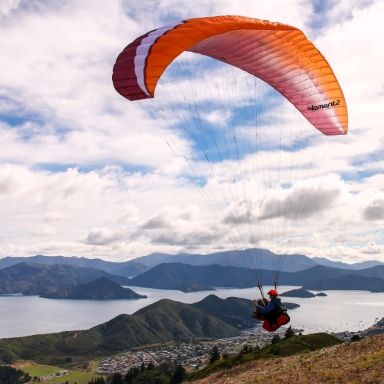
331,104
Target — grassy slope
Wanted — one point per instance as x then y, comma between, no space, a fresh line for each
352,363
291,346
74,376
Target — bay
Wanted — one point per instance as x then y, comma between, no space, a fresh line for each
339,311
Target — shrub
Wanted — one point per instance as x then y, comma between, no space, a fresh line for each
356,338
289,333
275,339
214,355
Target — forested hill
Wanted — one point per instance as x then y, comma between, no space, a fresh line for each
163,321
182,276
36,279
99,289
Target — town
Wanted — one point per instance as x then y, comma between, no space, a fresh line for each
191,356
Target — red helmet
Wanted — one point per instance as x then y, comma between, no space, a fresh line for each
272,292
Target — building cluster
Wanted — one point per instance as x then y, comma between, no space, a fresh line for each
191,356
51,376
347,335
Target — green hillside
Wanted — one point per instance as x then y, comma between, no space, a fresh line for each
160,322
232,310
291,346
312,363
99,289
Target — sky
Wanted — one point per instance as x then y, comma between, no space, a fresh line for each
85,172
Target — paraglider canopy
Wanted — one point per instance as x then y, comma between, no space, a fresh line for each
279,54
233,157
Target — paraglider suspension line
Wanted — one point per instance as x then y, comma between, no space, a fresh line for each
260,286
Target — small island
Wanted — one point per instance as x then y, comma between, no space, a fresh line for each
99,289
321,294
300,292
290,306
196,287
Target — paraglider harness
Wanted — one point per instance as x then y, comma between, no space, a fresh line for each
274,319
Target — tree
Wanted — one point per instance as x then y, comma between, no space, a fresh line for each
275,339
289,333
179,375
246,348
10,375
97,380
152,376
214,355
116,378
167,367
356,338
131,374
276,349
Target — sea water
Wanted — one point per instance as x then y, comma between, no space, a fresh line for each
338,311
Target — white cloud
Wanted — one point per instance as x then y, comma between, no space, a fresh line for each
103,236
218,117
304,200
373,249
43,231
374,210
7,6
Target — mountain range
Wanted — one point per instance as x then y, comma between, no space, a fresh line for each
179,276
126,268
60,280
44,275
256,258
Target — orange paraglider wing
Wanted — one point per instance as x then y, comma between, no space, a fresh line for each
279,54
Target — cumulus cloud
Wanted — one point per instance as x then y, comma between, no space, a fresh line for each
372,249
242,212
330,12
304,200
185,228
218,117
156,222
103,236
374,210
193,239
